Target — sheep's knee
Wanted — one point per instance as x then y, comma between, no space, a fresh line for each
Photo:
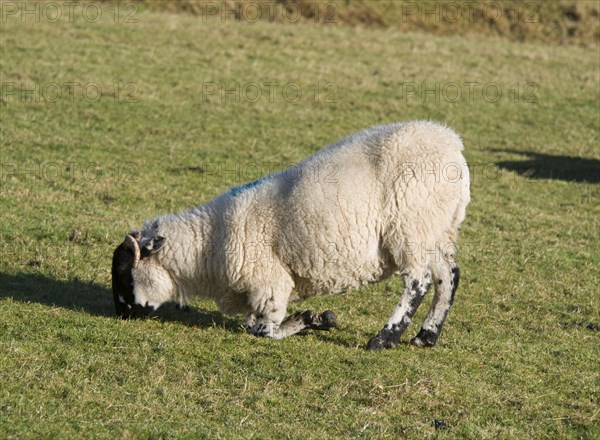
262,325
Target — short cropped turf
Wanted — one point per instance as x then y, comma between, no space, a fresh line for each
107,123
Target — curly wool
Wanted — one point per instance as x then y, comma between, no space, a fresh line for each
384,200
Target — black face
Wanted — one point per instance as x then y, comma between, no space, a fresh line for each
122,285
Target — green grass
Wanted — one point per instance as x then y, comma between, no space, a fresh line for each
518,357
558,21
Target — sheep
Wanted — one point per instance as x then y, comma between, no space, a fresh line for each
386,200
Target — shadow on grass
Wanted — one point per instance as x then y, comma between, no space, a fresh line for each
545,166
332,337
96,300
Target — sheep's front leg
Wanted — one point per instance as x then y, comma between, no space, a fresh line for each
414,292
291,325
308,320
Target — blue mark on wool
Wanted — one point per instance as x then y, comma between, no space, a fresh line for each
235,191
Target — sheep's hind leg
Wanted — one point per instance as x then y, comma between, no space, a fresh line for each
414,291
446,283
292,324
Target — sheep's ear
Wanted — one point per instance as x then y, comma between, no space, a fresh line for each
153,245
157,243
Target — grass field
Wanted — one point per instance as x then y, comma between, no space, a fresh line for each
106,124
557,21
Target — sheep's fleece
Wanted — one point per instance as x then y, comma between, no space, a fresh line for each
385,200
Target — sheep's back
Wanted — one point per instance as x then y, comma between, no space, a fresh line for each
346,210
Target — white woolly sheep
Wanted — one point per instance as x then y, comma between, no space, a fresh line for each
385,200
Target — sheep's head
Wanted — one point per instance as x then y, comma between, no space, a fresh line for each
133,275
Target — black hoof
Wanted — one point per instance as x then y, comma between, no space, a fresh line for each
385,339
377,343
328,320
425,338
319,321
